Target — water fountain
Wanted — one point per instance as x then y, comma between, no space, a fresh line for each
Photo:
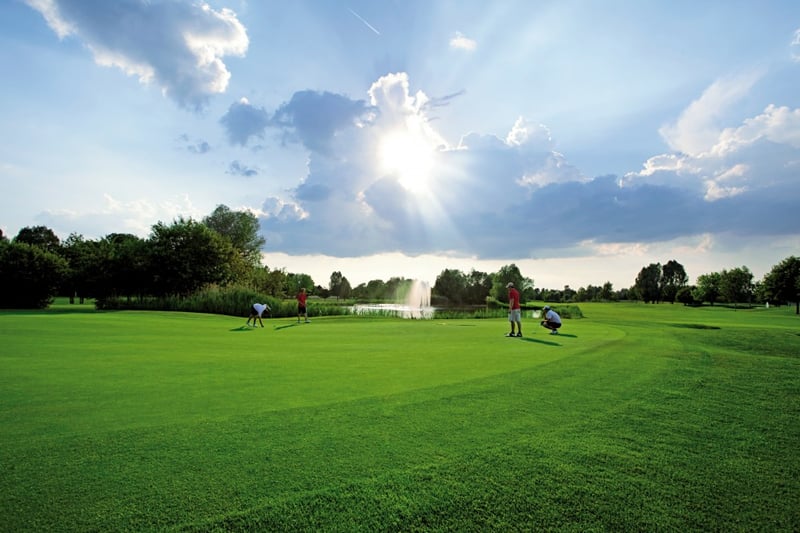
418,300
415,304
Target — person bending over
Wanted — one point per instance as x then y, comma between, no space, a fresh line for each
255,313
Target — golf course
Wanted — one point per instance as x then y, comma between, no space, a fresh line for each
634,418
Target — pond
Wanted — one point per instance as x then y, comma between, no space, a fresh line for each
400,310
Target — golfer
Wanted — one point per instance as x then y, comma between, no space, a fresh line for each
255,313
552,320
514,311
302,296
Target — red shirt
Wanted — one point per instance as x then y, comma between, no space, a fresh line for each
513,298
301,298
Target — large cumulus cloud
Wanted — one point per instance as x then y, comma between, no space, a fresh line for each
178,46
495,196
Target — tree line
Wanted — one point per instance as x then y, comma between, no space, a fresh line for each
669,283
224,249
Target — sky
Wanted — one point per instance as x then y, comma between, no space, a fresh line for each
579,140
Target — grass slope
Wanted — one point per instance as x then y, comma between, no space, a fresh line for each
636,418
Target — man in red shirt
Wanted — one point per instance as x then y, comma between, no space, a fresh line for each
514,311
301,305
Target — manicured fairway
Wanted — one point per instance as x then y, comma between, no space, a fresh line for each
637,417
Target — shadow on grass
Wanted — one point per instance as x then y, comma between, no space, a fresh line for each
293,324
531,339
242,328
694,326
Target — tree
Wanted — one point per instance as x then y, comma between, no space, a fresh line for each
673,278
29,275
344,289
339,286
685,295
271,282
648,283
241,229
607,292
507,274
782,283
335,283
568,294
452,285
479,286
77,252
295,282
187,255
126,265
708,287
374,289
397,288
736,285
40,236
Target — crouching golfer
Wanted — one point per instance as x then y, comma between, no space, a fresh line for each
255,313
551,320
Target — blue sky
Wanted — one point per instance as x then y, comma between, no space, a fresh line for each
580,140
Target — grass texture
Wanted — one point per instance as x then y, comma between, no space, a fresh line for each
637,417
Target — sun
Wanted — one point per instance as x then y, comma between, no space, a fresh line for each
409,157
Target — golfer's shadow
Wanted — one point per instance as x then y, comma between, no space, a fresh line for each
242,328
531,339
293,324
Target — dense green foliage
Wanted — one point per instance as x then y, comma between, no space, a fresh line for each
782,283
240,228
635,418
29,275
648,283
189,256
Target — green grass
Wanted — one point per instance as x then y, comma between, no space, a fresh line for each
637,417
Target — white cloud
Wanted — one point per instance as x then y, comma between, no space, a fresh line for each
179,46
760,154
50,12
460,42
116,216
520,184
776,124
698,127
795,46
524,131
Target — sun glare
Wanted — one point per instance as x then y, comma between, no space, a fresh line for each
409,157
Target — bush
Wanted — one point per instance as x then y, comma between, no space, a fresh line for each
565,310
231,301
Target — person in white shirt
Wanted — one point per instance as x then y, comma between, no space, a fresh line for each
552,320
255,313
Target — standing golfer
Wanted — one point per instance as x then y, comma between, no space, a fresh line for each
552,320
302,296
255,313
514,311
